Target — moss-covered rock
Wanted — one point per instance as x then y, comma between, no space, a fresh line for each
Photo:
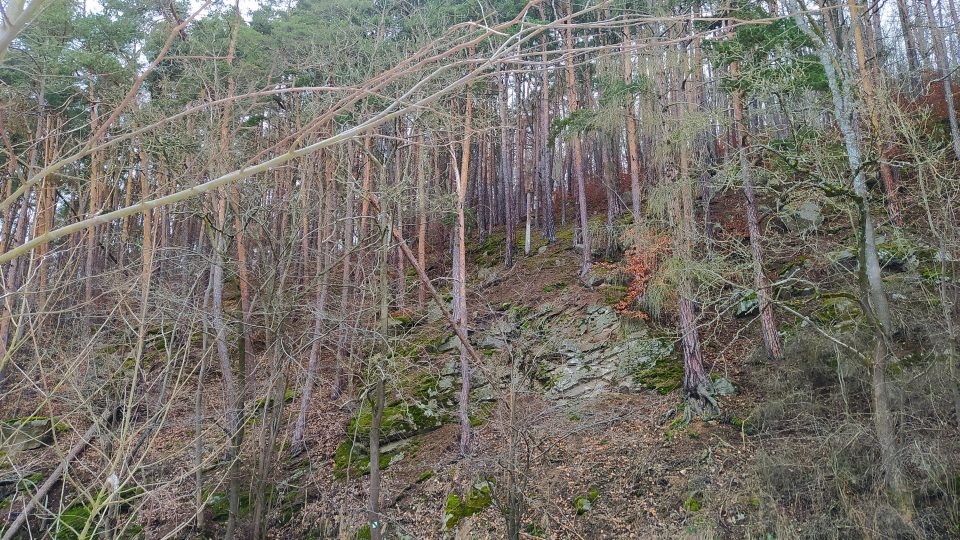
27,433
291,496
837,308
442,344
654,366
900,254
584,503
748,305
353,459
425,406
477,499
288,396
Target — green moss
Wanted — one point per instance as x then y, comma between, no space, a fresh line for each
791,265
902,252
655,366
399,418
219,505
291,504
518,312
743,424
664,377
481,415
837,308
345,458
477,500
26,419
694,503
363,533
128,495
535,530
748,305
565,235
545,377
425,475
612,294
426,404
559,286
489,252
355,459
70,523
584,503
436,344
29,483
402,320
288,396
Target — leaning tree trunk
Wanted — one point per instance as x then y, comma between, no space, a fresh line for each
869,99
873,296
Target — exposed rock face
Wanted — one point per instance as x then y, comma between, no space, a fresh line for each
802,216
581,353
569,353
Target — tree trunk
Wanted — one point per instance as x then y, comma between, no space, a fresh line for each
545,151
633,153
373,509
323,273
768,324
943,65
506,173
343,340
913,60
460,278
873,296
421,216
869,98
577,163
